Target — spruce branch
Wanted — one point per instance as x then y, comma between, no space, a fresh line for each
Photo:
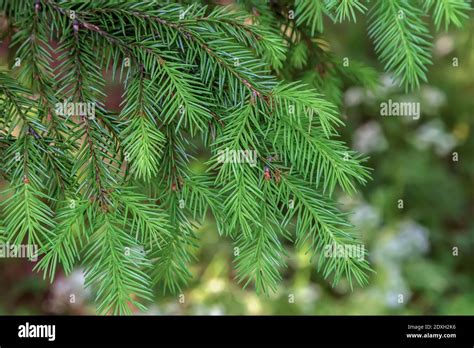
69,237
321,227
260,254
401,40
448,11
311,13
345,9
117,265
114,191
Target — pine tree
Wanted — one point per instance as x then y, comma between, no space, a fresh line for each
114,191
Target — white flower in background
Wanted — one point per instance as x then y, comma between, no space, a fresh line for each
414,236
393,292
354,96
217,310
396,299
365,216
369,138
306,297
388,84
411,240
68,292
172,308
444,45
432,97
434,134
202,309
152,310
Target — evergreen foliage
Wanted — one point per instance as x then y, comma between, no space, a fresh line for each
115,193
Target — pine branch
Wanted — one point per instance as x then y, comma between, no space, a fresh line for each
449,11
321,226
201,196
345,9
311,13
69,238
260,254
147,220
172,260
305,145
142,140
401,40
27,217
265,41
190,74
116,266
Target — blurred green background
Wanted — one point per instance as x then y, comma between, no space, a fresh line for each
422,254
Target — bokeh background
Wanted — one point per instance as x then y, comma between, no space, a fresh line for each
423,252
